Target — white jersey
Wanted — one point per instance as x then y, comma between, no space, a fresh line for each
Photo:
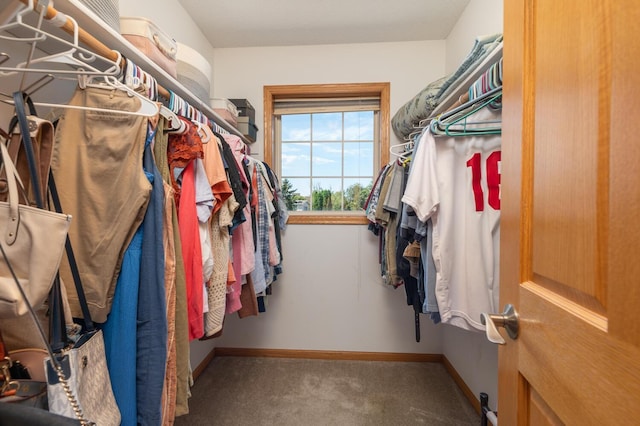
456,182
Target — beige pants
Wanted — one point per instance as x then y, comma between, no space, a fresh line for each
97,165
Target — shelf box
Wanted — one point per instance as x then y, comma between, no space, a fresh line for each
248,128
245,109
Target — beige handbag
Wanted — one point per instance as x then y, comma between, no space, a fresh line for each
34,241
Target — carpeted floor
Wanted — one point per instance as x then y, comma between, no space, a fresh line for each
279,391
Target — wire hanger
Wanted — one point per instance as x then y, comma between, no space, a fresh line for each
444,124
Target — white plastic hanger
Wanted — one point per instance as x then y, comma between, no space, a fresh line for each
76,56
19,23
175,125
402,151
148,108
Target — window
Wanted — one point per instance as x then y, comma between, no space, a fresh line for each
327,144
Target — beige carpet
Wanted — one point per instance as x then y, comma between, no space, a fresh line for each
277,391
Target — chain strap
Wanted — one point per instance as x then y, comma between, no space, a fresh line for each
71,397
56,366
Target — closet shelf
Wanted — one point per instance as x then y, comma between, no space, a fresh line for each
462,87
93,25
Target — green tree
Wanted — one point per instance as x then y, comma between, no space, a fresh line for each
321,199
356,195
336,200
289,193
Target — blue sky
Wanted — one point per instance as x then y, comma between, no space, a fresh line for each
327,149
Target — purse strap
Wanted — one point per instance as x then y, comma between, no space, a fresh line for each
52,359
18,99
82,299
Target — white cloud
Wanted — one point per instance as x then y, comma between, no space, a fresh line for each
358,132
297,135
323,160
292,159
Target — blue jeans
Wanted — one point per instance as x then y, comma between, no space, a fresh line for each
152,311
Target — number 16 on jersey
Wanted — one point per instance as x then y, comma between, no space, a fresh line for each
492,168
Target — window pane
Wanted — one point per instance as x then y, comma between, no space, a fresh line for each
296,159
293,190
327,159
296,127
327,126
327,194
356,192
358,126
358,158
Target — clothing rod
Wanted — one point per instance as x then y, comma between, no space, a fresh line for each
93,43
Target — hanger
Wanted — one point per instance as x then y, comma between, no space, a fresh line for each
78,57
175,125
204,136
148,108
444,124
135,77
180,107
25,9
404,151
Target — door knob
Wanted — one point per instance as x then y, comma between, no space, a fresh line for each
508,319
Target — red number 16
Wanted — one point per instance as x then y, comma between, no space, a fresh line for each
493,179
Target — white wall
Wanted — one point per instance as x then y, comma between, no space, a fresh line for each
330,296
471,353
481,17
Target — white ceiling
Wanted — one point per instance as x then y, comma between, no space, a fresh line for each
244,23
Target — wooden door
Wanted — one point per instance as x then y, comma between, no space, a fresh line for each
570,247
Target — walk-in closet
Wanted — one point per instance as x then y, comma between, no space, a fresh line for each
337,212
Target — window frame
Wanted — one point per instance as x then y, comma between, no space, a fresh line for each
380,90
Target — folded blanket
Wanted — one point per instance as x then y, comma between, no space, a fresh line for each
421,106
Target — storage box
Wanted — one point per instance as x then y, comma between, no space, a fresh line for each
194,72
107,10
152,42
247,128
245,109
225,109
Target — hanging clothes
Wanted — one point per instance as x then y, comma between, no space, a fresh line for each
119,333
171,378
218,235
97,164
151,331
182,150
456,183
